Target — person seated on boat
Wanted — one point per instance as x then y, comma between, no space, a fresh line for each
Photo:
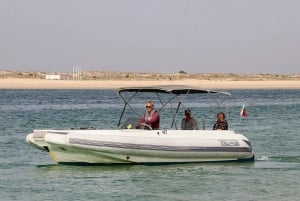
188,122
150,120
221,123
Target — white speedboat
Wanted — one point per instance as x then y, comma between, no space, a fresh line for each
129,145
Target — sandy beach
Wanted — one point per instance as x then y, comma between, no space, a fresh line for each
15,83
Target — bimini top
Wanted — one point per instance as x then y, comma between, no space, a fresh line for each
171,89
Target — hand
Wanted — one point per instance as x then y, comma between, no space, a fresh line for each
146,126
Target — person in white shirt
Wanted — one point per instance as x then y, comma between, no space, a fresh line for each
188,122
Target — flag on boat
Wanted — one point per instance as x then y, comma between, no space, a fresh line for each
243,111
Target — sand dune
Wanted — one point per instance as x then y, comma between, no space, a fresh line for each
13,83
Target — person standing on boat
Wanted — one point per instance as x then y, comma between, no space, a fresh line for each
151,117
221,123
188,122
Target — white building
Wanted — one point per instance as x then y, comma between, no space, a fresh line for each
53,77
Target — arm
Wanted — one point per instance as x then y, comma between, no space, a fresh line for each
183,124
195,124
141,120
225,125
215,126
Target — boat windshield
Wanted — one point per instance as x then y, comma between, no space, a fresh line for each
130,123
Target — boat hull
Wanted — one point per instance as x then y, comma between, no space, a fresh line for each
141,146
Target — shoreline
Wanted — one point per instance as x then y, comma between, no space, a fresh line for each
20,83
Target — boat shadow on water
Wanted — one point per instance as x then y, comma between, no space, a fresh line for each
125,167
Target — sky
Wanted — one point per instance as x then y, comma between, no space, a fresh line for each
164,36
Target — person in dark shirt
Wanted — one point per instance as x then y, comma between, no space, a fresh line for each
150,120
221,123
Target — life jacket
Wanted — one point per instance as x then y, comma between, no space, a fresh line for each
149,116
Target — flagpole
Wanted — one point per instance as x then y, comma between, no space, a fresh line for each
243,112
240,113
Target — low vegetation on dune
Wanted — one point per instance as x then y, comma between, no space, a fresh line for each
106,75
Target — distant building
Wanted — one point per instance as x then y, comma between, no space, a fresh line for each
57,77
52,77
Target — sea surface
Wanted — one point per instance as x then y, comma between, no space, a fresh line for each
272,126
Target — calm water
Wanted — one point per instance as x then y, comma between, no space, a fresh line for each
29,174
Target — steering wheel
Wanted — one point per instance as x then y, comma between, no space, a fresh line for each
146,126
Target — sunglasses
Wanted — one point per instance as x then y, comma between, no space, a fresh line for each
148,106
